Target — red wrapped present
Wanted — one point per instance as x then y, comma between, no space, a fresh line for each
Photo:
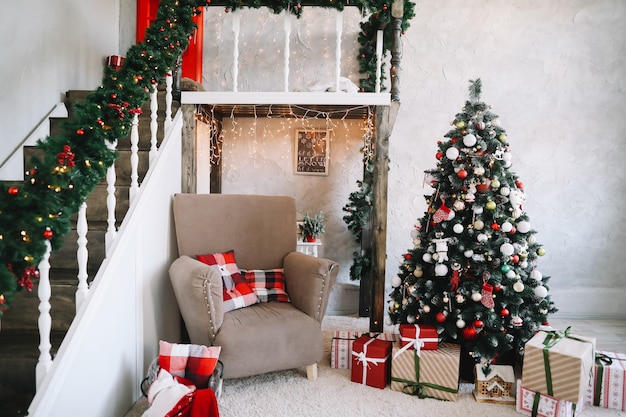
341,346
115,61
608,388
419,336
535,404
371,362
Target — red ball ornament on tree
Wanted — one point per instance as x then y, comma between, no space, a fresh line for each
439,155
504,312
441,317
515,258
495,227
478,324
462,174
48,233
13,190
519,184
470,333
407,256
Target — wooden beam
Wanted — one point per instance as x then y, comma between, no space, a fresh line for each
385,120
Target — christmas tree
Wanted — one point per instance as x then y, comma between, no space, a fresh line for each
472,271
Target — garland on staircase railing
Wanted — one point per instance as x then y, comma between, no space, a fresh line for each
75,161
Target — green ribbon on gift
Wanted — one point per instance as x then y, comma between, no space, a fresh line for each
552,338
419,388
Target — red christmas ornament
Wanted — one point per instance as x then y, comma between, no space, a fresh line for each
441,317
48,233
470,333
80,132
519,184
407,256
495,226
13,190
515,258
513,230
66,158
504,312
478,324
439,155
454,139
462,174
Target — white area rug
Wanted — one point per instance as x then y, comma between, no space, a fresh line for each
291,394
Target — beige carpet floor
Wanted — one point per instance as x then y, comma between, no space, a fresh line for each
291,394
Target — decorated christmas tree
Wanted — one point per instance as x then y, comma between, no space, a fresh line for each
472,271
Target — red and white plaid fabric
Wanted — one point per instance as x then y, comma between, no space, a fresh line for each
193,362
237,293
268,285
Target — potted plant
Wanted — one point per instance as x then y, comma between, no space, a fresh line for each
312,227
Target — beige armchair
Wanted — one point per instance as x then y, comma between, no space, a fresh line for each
262,231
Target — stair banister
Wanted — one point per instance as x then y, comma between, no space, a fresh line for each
82,255
154,107
168,100
45,320
111,178
134,159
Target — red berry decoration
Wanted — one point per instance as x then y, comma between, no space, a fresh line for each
478,324
504,312
13,191
440,317
462,174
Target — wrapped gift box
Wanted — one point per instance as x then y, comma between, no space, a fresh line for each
559,364
115,61
532,403
427,373
371,361
420,336
341,346
608,388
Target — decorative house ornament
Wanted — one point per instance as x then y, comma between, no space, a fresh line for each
497,386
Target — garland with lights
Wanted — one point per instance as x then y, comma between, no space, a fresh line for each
74,161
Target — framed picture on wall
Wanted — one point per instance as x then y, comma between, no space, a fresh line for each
311,151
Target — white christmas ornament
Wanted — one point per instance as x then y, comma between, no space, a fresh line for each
536,275
516,321
457,228
507,249
541,291
481,238
479,171
506,227
479,225
531,239
476,296
460,323
396,281
523,264
451,215
452,153
469,140
441,270
505,191
426,309
518,286
510,274
427,257
523,227
468,253
469,197
477,209
410,319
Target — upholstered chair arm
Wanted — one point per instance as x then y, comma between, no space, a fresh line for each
308,281
198,290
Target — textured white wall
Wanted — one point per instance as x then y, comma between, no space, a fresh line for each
553,70
48,48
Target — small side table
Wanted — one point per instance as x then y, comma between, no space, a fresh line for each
309,248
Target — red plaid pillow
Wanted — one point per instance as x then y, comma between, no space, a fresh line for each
269,285
193,362
237,293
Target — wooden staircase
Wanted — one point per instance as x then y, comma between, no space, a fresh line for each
19,334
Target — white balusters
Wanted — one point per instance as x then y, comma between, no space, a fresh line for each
236,28
154,126
168,101
111,202
379,58
45,320
134,159
287,26
82,255
339,30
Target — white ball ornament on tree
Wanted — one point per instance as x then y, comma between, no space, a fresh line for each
505,191
476,296
523,226
507,249
482,238
541,292
458,228
460,323
510,274
479,171
410,319
426,309
506,227
441,270
452,153
396,281
468,253
477,209
427,257
536,275
469,140
518,286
